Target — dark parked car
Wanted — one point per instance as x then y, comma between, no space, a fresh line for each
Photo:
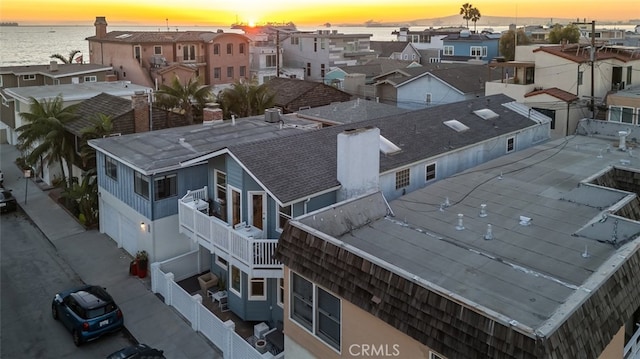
88,312
7,201
137,351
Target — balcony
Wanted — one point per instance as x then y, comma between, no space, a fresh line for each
240,245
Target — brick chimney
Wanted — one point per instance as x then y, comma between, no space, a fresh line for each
101,27
140,105
211,114
358,162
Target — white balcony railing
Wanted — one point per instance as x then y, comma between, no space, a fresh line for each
221,238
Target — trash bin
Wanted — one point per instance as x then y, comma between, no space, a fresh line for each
133,268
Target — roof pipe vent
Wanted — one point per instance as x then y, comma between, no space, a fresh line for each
489,235
460,225
483,210
623,140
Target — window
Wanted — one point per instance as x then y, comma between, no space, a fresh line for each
308,69
141,185
402,178
511,144
405,56
189,52
243,71
284,214
447,50
271,60
217,73
165,186
315,44
220,194
322,70
216,49
229,49
295,40
621,114
28,77
430,172
157,50
629,71
478,51
323,43
427,99
111,168
580,77
236,280
280,300
257,289
316,309
230,71
241,48
90,79
222,262
137,52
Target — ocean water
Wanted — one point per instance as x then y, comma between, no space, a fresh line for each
34,45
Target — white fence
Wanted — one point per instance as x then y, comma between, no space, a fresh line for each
221,334
632,349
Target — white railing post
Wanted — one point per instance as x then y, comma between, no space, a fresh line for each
155,276
168,278
227,351
197,302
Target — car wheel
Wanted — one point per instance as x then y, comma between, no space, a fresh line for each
76,338
54,311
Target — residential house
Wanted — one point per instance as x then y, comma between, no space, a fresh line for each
465,46
558,80
318,52
430,38
153,58
535,255
432,84
352,111
624,105
254,188
294,94
395,50
265,57
127,116
39,75
358,79
18,99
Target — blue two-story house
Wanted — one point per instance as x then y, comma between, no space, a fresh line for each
465,46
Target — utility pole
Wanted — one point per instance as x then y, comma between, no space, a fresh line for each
277,53
592,61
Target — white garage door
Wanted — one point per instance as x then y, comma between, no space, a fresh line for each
129,233
110,221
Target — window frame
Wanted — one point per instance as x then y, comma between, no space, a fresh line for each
271,60
241,48
232,288
91,79
242,71
430,175
138,184
511,144
280,292
283,216
173,185
30,77
216,49
258,297
230,49
222,263
157,50
230,72
217,73
403,176
428,98
301,306
111,168
448,50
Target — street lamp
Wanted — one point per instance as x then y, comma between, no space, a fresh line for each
27,175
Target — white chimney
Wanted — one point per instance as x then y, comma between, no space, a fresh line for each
53,66
358,162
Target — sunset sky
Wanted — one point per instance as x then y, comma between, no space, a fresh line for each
301,12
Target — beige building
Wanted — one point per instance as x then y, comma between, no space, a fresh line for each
557,80
532,255
153,58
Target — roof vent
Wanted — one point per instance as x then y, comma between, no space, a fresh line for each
489,235
525,221
623,140
272,115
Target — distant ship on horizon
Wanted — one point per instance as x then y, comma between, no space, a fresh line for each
8,24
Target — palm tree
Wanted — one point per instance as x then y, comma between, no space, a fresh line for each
475,16
44,134
245,99
465,11
183,97
68,60
102,127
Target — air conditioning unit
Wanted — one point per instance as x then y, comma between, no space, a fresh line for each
260,329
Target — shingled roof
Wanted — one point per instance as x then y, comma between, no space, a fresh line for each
303,165
293,94
108,105
560,287
387,48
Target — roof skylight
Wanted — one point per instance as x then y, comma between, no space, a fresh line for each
456,125
486,114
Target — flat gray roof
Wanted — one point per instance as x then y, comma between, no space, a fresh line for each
76,92
534,276
164,150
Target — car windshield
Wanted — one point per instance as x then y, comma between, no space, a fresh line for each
96,312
